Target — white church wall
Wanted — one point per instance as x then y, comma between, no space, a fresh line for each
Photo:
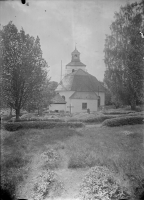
54,107
77,105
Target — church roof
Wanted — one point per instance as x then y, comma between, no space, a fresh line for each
80,81
58,99
84,95
75,63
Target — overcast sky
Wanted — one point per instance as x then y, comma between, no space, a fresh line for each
61,24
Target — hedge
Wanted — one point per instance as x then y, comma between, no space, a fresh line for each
118,112
13,126
128,120
39,119
97,119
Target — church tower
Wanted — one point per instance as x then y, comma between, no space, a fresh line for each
75,63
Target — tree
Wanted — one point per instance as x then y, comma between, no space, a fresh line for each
43,97
124,55
23,68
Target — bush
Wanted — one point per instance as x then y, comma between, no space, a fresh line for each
46,185
128,120
13,126
8,117
100,183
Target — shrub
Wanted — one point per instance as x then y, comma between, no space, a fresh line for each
13,126
100,183
46,185
8,117
128,120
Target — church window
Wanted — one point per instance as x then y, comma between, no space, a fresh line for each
63,97
98,101
84,106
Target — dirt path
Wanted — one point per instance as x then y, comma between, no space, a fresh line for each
71,178
27,187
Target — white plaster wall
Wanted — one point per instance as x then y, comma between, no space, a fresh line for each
102,97
54,107
77,105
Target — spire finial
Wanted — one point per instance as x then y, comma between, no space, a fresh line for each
75,45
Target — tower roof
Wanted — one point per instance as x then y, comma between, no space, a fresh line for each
75,51
80,81
75,62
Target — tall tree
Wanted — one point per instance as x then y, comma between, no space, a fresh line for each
124,54
23,67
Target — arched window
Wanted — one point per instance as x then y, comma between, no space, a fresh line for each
73,70
98,101
63,97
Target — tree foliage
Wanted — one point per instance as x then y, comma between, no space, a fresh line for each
23,67
43,97
124,55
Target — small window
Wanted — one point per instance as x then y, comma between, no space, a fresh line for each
73,70
84,106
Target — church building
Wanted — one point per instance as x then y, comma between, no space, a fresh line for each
78,91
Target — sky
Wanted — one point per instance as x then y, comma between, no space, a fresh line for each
62,24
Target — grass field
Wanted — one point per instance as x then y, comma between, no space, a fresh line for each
58,158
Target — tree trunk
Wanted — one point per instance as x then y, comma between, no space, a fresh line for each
133,104
17,114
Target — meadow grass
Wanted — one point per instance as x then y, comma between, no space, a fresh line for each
110,147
